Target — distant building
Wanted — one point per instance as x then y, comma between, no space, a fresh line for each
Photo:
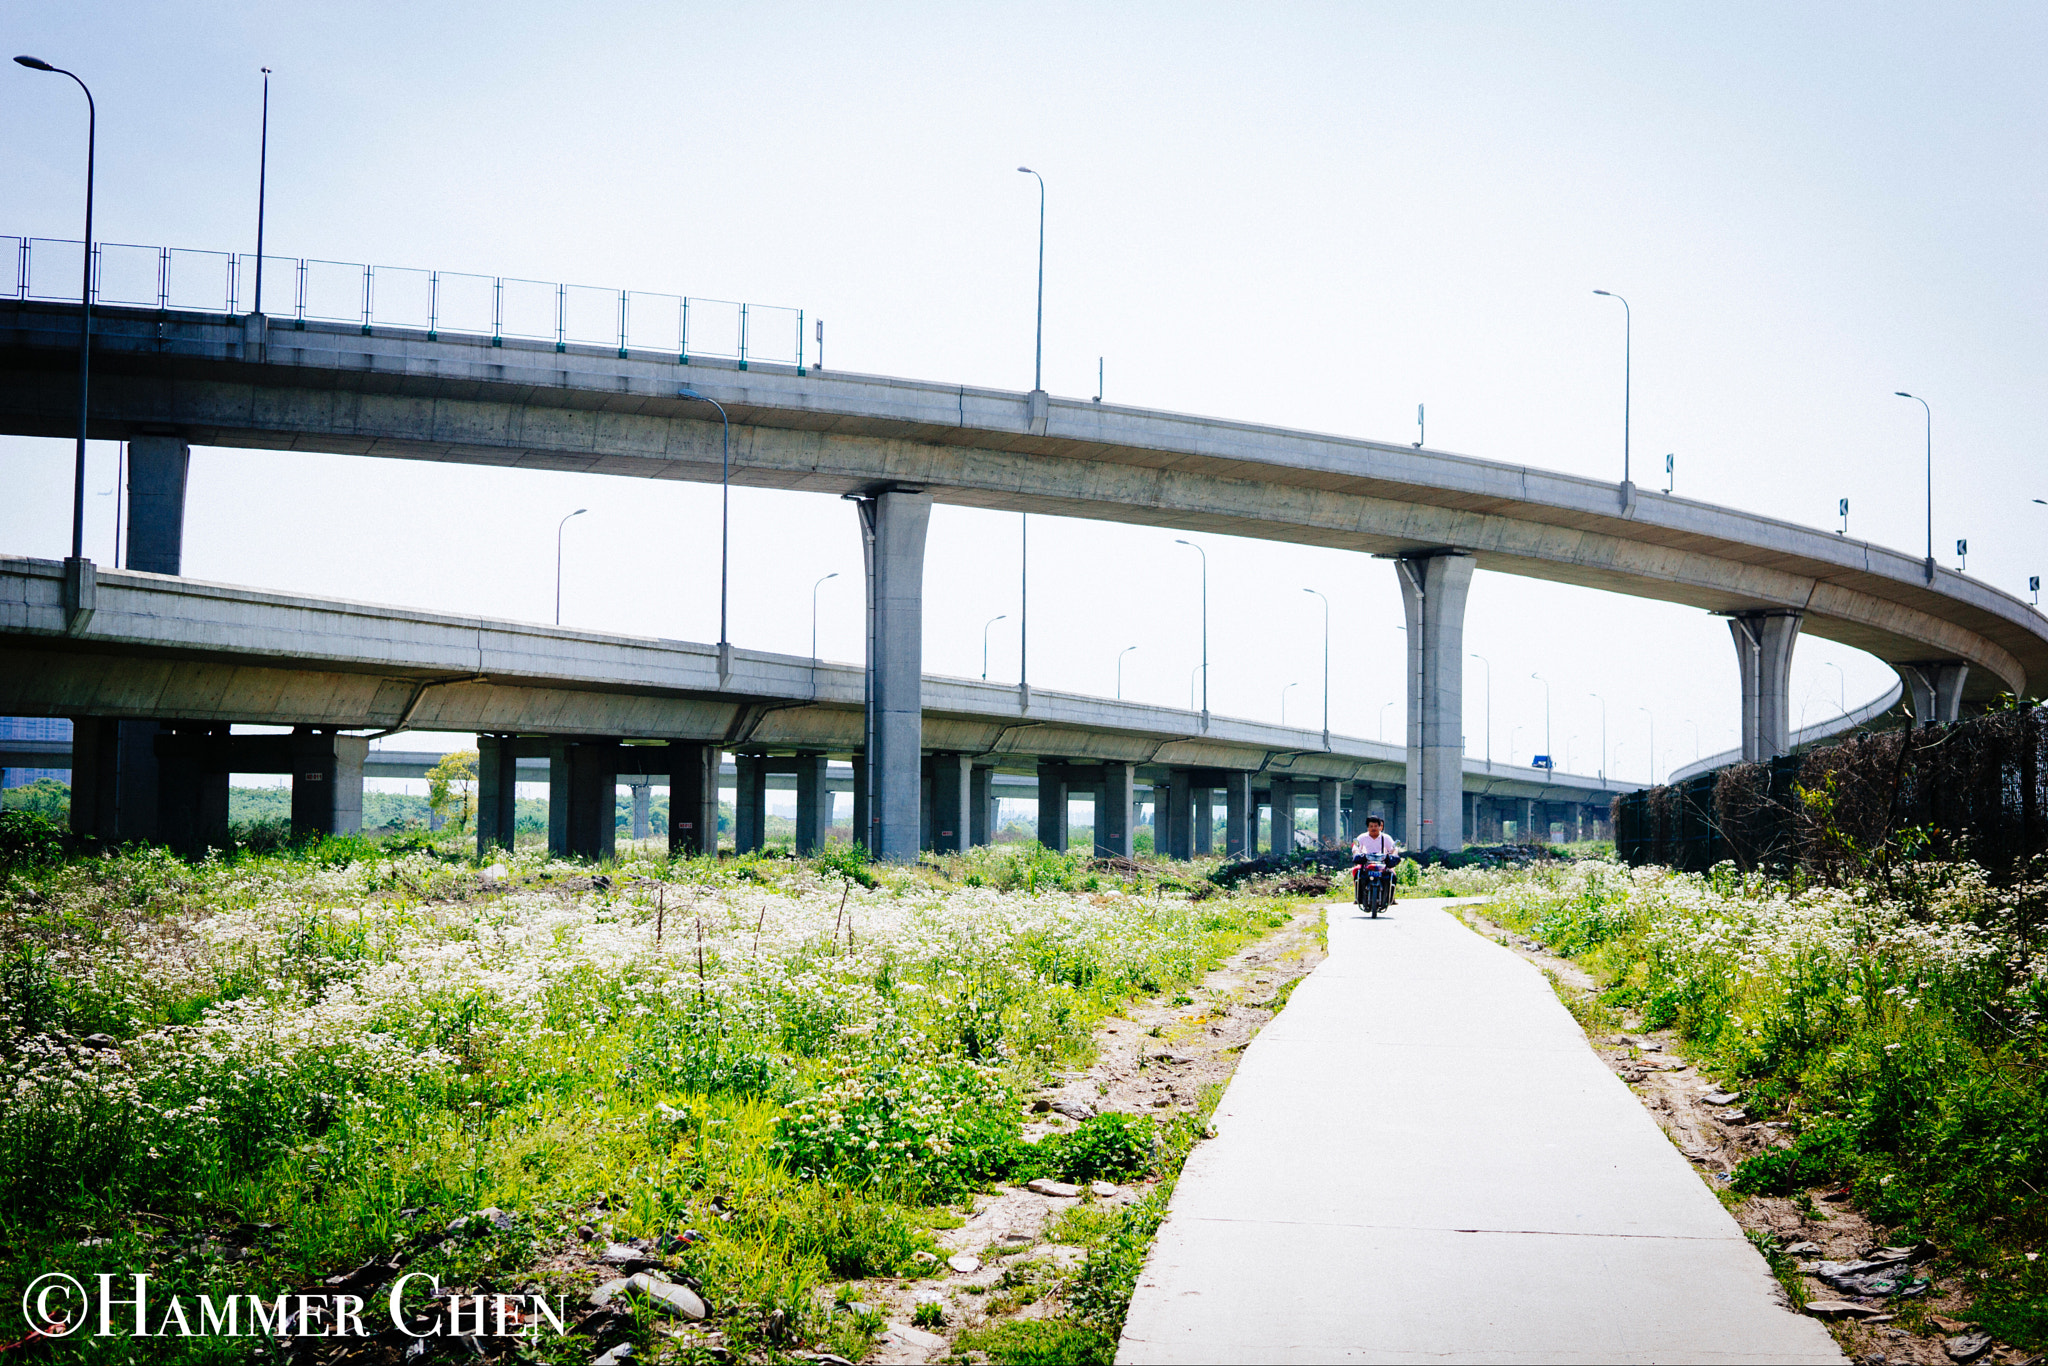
34,728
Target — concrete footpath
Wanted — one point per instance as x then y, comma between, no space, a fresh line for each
1421,1160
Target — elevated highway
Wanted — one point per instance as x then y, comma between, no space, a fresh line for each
164,380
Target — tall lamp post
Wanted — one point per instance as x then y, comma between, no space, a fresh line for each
1038,363
1283,702
1628,324
74,572
1120,670
1930,476
1489,709
724,528
1841,685
1603,733
558,561
1546,713
1326,666
262,185
1383,721
1205,627
984,642
1653,742
814,622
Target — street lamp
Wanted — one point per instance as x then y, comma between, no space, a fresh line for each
558,561
1383,721
1653,742
1283,702
1489,709
84,321
1842,685
1627,369
1930,477
984,642
1603,733
814,624
1120,670
1546,711
1695,736
1038,363
724,528
1197,672
1205,627
262,185
1326,666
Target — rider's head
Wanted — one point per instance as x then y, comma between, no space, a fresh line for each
1373,824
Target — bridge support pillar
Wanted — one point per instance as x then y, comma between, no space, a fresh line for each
497,771
813,803
593,800
1180,813
750,804
1238,816
1936,688
1433,591
1329,820
952,792
1763,652
1114,800
192,769
1283,815
893,525
157,471
1052,806
327,781
692,800
981,814
1204,819
641,793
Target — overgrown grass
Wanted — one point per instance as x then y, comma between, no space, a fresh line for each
324,1053
1904,1034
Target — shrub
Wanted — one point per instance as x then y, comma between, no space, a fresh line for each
1114,1146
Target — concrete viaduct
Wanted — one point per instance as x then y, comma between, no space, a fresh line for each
164,380
165,665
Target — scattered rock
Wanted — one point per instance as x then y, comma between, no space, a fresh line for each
1721,1097
1870,1278
1966,1346
626,1256
1074,1109
667,1296
585,1233
1802,1249
1059,1190
604,1324
100,1041
476,1221
1040,1105
1104,1190
1839,1309
925,1257
905,1335
617,1356
966,1263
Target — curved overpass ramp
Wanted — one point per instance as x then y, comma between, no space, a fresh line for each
163,380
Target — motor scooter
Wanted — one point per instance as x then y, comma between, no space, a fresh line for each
1372,878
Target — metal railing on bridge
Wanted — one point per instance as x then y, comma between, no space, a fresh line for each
301,290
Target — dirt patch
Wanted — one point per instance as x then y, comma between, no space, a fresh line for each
1156,1058
1716,1133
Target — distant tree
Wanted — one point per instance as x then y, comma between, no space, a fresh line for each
45,796
451,787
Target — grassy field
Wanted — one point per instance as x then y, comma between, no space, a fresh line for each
249,1075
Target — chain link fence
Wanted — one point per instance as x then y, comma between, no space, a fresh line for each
297,290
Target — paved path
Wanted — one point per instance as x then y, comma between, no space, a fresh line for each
1421,1160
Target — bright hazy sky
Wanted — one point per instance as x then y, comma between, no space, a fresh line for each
1309,215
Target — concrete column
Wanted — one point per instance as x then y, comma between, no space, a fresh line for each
692,800
1204,819
749,804
641,793
1397,813
1180,816
1936,688
1052,806
95,775
813,803
894,524
1433,592
952,792
593,800
1283,815
192,788
319,804
1237,798
1763,653
1113,802
496,786
863,828
1328,823
350,752
157,470
558,797
981,814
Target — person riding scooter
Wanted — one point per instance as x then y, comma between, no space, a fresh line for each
1376,844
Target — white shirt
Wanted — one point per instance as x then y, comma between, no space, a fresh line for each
1369,843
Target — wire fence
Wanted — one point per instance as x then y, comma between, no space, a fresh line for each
299,290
